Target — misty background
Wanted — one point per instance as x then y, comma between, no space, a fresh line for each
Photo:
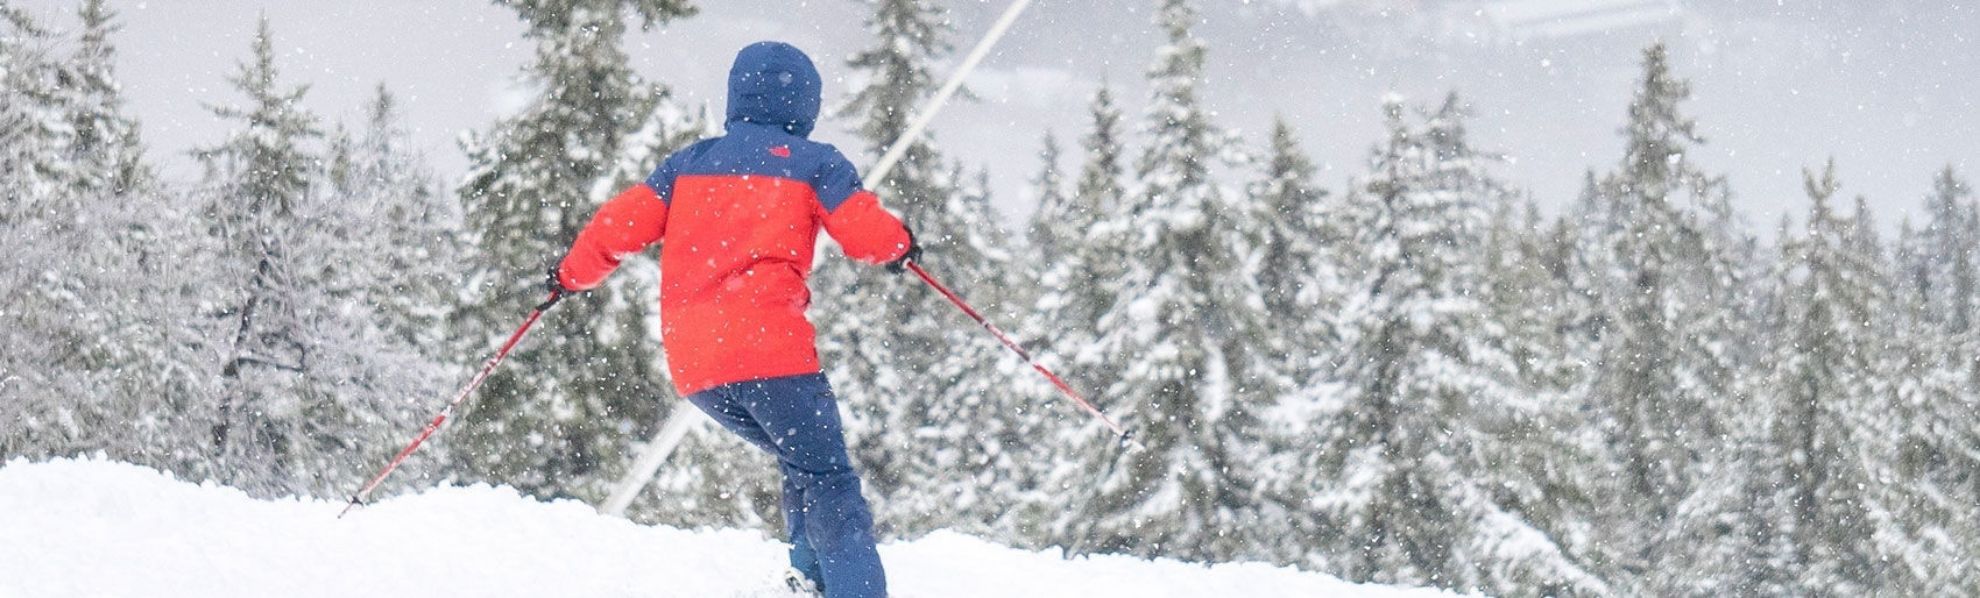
1887,88
1384,364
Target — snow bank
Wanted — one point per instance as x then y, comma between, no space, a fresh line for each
96,528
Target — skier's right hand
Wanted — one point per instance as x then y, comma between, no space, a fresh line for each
555,284
913,254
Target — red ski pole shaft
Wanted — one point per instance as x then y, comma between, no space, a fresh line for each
434,425
1064,388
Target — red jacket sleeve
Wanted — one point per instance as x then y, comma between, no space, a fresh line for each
853,216
867,231
637,218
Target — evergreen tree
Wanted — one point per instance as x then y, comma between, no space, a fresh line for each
1950,244
96,348
45,340
1827,421
30,139
415,257
1936,375
873,365
1185,309
399,260
1808,505
971,447
1300,250
1906,251
1527,266
1863,238
1076,285
1298,274
1077,279
32,130
908,37
1052,231
264,174
96,341
1664,276
558,422
1100,184
307,379
1542,464
107,155
1402,461
1925,524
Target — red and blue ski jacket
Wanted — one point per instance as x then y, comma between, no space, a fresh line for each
736,218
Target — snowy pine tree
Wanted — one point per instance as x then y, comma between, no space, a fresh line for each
1178,330
1078,279
1299,273
94,345
30,137
1814,502
1663,275
873,365
1076,284
1052,233
416,253
560,419
1933,366
1402,459
260,175
307,377
1946,261
33,130
1530,263
972,445
1827,421
1543,463
1301,249
107,155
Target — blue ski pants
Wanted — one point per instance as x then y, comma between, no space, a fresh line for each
796,418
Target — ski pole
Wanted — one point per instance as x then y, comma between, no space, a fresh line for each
434,426
1126,435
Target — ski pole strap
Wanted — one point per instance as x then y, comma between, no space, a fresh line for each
1066,389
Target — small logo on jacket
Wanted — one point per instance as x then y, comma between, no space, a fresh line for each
781,151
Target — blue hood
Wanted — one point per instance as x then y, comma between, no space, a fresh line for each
774,83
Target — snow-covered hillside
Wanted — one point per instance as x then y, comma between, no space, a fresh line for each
97,528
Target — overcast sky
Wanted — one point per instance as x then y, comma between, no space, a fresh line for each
1887,87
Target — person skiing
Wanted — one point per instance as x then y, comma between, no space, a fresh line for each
736,218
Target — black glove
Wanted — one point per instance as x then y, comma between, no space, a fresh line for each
913,254
555,285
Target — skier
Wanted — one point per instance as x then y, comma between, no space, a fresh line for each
736,218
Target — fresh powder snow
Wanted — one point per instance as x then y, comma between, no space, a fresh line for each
91,527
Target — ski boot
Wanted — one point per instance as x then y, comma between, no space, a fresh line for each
801,585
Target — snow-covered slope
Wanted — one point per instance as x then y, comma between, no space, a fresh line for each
97,528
